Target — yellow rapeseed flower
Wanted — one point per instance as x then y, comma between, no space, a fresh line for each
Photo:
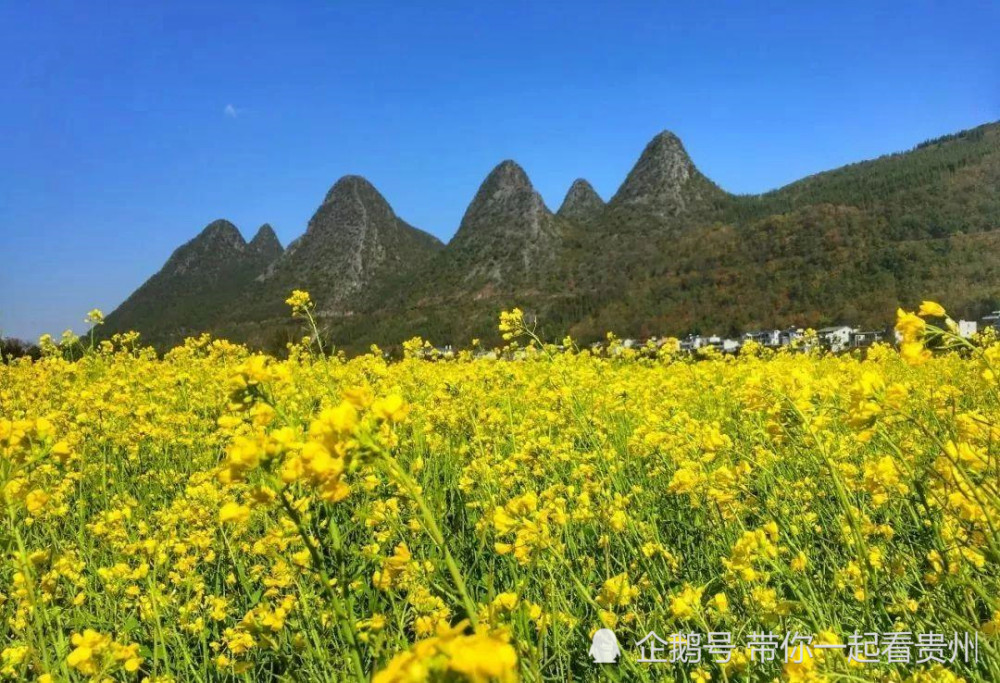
932,309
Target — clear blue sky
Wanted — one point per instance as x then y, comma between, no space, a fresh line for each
126,127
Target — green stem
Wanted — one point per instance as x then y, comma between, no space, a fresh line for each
435,532
343,619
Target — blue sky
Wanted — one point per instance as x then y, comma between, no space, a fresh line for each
128,126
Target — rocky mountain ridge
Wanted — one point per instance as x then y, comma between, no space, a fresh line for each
198,283
352,239
671,252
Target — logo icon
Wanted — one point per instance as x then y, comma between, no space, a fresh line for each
604,647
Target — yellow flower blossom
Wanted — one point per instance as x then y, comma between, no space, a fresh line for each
931,309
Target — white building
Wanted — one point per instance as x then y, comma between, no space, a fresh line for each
692,342
792,334
860,339
967,328
836,338
770,338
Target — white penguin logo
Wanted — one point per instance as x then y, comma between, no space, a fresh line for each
604,647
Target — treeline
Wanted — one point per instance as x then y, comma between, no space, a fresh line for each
12,349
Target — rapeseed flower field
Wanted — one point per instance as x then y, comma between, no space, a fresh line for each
219,515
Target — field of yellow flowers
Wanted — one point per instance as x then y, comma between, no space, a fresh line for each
219,515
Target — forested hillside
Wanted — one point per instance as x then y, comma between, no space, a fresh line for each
670,253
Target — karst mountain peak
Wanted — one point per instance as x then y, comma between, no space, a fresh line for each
581,201
221,229
265,242
507,231
352,240
665,180
506,193
219,244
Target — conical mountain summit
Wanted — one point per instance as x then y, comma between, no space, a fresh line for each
664,180
352,240
265,243
196,286
581,202
507,231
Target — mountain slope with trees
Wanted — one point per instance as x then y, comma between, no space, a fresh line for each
670,253
197,285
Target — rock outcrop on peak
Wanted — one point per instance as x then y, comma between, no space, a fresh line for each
266,243
507,232
218,244
581,202
665,181
196,286
353,240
